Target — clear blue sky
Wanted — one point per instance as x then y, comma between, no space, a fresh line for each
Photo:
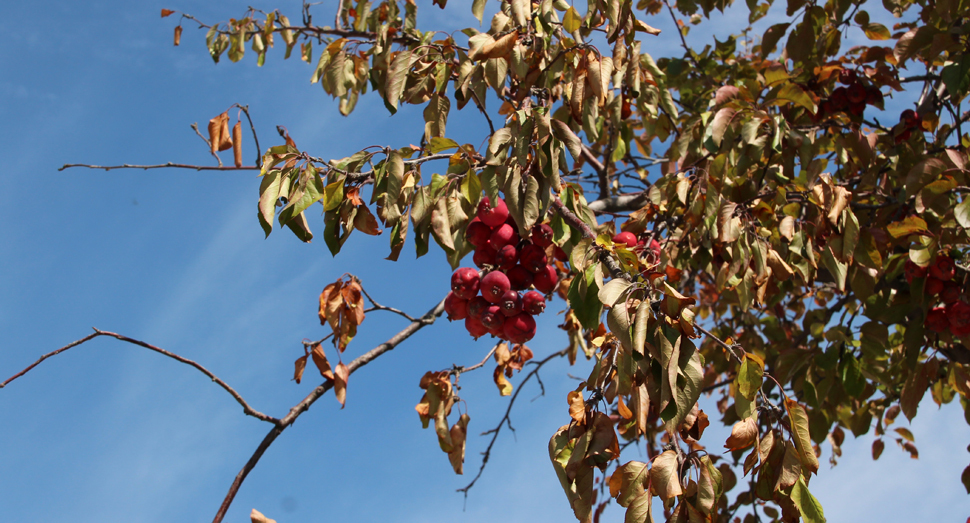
112,432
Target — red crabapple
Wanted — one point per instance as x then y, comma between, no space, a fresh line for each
532,257
475,327
520,278
478,233
457,308
534,303
506,257
511,303
542,235
465,283
494,285
492,216
502,236
546,279
943,268
626,237
477,306
484,256
520,328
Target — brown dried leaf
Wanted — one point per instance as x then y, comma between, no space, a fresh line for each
787,228
341,374
456,456
664,476
628,481
329,290
577,407
178,35
624,411
504,387
300,367
353,301
791,468
236,143
167,12
219,139
502,354
909,447
743,434
320,360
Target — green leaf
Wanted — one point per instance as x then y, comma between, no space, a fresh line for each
639,510
798,421
571,21
956,77
770,40
808,506
567,137
962,213
907,226
439,144
794,93
478,10
750,375
397,74
838,269
586,305
852,380
611,293
877,32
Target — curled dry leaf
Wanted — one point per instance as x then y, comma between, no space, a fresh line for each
743,434
341,375
236,141
577,407
178,35
219,139
300,366
320,360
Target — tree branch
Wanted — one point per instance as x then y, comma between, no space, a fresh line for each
505,419
162,166
97,332
574,220
304,405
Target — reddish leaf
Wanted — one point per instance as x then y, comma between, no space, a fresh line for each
877,448
167,12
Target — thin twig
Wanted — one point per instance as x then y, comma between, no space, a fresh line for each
379,307
683,41
162,166
97,332
259,156
208,144
457,370
302,407
505,419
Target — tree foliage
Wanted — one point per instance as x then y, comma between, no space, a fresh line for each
796,210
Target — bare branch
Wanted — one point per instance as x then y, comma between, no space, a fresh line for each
505,419
97,332
162,166
379,307
302,407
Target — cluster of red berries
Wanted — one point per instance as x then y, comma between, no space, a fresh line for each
852,98
497,303
953,314
909,121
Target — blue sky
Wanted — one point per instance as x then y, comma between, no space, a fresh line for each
112,432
